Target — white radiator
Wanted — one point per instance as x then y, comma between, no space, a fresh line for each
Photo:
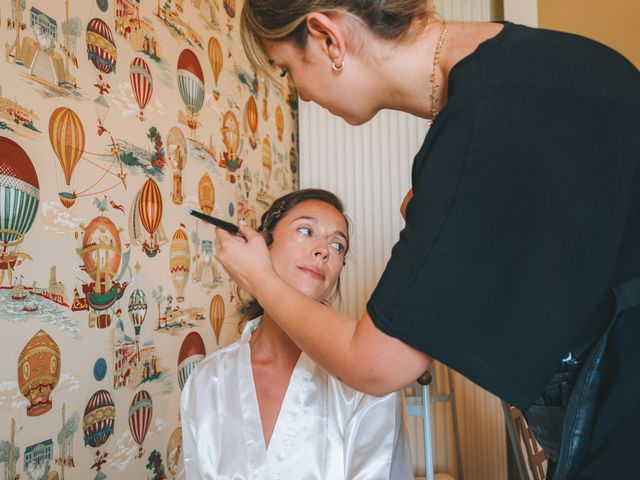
369,168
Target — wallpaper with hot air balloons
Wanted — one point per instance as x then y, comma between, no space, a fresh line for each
116,118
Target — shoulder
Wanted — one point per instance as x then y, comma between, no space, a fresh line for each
362,402
212,366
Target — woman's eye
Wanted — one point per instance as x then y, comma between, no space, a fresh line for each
338,246
284,73
304,231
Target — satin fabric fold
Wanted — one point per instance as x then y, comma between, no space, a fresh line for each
325,430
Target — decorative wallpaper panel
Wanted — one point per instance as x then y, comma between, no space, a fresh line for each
116,118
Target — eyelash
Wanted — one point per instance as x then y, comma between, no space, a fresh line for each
340,247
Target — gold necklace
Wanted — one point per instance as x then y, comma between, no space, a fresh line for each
435,99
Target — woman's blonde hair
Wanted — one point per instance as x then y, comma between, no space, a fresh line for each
286,20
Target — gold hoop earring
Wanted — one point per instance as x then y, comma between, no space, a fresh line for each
336,68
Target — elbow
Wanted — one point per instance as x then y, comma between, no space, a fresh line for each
373,383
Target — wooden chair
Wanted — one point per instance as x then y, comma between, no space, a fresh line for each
532,455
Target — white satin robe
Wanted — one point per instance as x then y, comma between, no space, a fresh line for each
325,430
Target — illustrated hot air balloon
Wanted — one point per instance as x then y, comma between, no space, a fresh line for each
67,138
100,46
216,60
20,191
191,352
39,372
99,419
267,161
137,313
279,122
174,451
216,315
206,194
231,138
191,85
101,253
251,116
178,157
179,262
141,83
140,413
150,212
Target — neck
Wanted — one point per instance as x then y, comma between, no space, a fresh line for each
404,71
270,343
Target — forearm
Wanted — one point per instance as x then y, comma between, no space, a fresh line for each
355,352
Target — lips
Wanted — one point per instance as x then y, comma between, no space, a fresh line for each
313,272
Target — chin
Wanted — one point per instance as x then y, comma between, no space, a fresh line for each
357,120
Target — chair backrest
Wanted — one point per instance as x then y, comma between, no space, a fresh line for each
525,447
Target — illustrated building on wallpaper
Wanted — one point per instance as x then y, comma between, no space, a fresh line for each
37,459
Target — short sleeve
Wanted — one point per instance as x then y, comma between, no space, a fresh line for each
511,234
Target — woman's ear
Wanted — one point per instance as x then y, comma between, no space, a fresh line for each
330,33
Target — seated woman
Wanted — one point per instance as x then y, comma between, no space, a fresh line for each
261,409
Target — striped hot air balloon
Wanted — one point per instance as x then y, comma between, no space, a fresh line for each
19,194
101,48
216,58
150,213
67,138
279,122
216,315
179,262
191,352
140,413
141,83
190,81
99,419
206,194
137,309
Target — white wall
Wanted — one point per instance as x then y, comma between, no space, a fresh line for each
524,12
369,168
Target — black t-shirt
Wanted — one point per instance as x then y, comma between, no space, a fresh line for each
525,211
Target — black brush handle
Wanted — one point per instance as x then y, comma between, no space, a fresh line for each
229,227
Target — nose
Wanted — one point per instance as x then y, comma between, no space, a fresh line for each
321,251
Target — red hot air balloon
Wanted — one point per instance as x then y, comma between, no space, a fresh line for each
191,352
191,85
150,212
99,419
101,48
140,413
141,83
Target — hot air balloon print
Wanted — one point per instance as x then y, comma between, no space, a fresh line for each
141,83
99,419
39,372
101,253
206,194
230,7
279,122
267,160
178,157
191,86
137,313
150,213
179,262
140,413
101,51
251,116
231,138
216,315
216,59
67,138
102,110
293,160
20,192
191,352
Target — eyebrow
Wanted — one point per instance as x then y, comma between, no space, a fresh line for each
314,220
